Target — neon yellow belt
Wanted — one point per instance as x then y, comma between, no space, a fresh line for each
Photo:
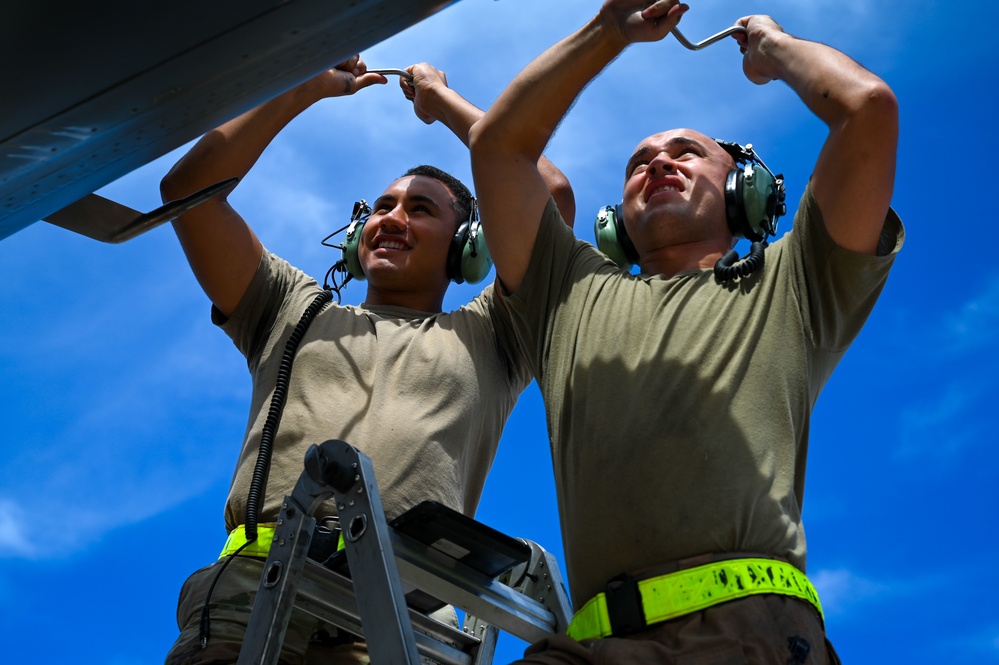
673,595
261,547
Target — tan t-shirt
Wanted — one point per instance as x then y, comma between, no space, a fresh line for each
678,409
425,396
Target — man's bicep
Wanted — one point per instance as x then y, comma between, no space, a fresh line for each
512,196
854,179
222,250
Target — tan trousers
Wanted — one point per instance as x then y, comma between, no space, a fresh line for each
766,629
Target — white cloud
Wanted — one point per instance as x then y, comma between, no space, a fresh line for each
842,592
13,541
848,597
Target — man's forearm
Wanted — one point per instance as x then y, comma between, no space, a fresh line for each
456,113
830,83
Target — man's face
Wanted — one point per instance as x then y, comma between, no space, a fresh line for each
674,190
405,242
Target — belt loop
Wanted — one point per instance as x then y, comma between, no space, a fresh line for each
624,605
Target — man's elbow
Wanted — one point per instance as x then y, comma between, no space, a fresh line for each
183,179
172,185
195,170
878,106
494,138
481,139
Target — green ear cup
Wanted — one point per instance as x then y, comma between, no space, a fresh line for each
612,238
475,259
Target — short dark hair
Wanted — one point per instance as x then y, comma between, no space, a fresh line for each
463,200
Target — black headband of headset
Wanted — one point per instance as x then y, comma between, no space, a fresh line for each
736,151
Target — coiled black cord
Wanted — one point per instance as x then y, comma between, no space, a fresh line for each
260,472
731,266
258,483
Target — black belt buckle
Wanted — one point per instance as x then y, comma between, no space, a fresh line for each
624,605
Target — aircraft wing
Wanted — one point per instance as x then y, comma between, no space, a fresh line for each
93,90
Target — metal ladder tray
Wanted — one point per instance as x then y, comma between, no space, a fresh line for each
447,557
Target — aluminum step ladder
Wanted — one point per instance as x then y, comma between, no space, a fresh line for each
369,600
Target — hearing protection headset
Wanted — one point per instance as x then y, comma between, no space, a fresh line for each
754,199
468,257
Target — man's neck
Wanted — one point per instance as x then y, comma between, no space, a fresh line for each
673,259
421,302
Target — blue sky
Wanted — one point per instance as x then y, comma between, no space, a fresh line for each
124,408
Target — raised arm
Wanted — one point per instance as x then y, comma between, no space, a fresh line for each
434,101
508,140
222,250
855,172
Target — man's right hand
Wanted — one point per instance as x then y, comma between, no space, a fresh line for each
759,45
425,91
641,20
346,78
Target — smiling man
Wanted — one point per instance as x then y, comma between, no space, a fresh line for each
678,399
424,393
405,242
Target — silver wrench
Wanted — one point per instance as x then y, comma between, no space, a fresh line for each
392,72
710,40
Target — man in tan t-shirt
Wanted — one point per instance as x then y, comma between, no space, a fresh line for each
678,399
424,393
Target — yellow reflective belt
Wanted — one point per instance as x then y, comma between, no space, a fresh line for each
261,547
693,589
